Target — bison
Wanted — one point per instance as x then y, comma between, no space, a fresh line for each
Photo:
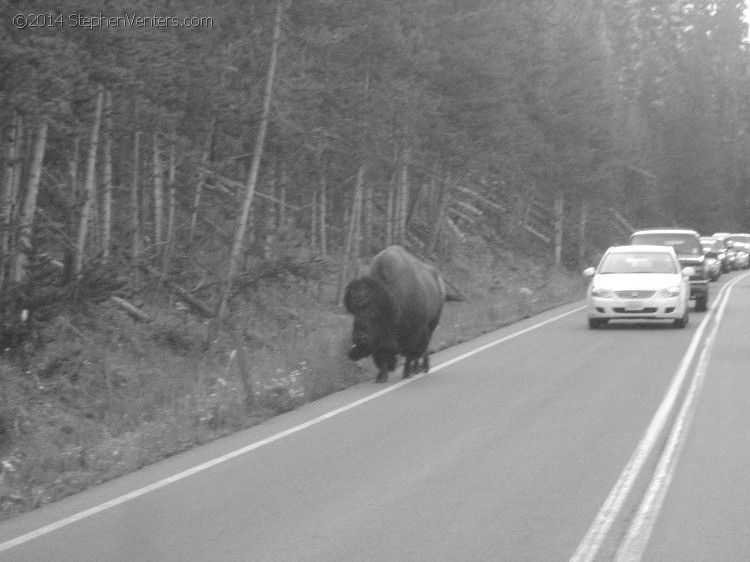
396,307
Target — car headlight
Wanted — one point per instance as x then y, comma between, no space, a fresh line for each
602,293
668,292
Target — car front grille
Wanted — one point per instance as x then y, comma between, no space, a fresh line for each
647,310
635,294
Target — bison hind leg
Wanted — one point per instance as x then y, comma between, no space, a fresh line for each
426,363
407,368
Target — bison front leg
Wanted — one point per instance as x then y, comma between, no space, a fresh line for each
385,362
426,362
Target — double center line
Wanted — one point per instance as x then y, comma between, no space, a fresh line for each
632,547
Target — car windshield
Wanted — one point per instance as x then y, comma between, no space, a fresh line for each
682,243
711,245
641,262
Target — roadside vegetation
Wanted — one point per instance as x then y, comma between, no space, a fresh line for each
101,394
181,206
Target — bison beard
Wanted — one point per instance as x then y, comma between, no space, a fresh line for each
396,308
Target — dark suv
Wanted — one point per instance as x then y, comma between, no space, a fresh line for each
687,246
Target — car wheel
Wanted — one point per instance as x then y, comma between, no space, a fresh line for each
701,303
595,323
682,322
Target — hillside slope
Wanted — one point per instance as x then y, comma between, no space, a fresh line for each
98,394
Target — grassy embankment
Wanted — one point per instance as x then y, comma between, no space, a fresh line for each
106,395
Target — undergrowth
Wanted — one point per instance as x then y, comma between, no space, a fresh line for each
105,395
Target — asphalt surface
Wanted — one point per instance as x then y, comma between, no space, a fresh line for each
706,513
506,454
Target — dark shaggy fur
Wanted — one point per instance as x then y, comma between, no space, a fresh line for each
396,307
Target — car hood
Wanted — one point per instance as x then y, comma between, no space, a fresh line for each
689,259
636,281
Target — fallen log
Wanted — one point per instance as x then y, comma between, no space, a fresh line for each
130,309
119,302
190,300
536,233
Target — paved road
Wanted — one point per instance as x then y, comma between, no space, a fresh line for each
706,512
506,454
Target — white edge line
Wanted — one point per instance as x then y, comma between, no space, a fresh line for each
7,545
640,528
597,532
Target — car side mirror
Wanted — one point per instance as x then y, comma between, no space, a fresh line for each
589,272
688,271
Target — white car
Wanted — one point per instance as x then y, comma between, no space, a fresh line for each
638,282
741,244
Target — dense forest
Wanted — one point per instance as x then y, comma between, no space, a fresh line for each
204,145
148,132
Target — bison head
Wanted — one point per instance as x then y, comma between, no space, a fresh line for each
374,312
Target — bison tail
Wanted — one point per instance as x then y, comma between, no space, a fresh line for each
451,296
451,293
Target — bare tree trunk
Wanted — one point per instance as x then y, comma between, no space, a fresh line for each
239,234
135,207
19,167
243,366
434,195
158,198
254,235
107,178
397,200
281,214
322,216
394,201
351,244
444,198
74,188
582,230
270,220
172,208
10,188
201,179
29,205
314,223
89,194
389,212
367,219
414,205
404,193
357,219
559,206
94,237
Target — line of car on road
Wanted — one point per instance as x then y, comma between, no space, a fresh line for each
656,275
